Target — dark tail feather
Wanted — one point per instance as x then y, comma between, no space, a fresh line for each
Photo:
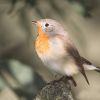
83,73
85,61
97,69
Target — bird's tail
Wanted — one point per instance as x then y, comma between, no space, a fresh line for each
91,67
97,69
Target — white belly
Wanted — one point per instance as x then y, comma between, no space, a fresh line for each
64,66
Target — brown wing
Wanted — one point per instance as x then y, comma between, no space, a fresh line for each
78,59
85,61
72,51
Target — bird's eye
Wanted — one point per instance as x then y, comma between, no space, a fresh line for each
46,25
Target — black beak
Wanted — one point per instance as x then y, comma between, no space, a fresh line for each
34,22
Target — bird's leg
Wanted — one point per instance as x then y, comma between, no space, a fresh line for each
64,78
55,81
72,79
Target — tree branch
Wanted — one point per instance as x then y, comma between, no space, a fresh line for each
56,91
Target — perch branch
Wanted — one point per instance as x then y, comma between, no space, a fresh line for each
56,91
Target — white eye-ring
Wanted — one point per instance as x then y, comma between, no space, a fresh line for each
47,27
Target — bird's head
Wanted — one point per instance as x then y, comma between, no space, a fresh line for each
49,27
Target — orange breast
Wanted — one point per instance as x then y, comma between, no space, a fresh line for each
41,43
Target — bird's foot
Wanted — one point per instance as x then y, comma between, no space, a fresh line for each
56,81
71,79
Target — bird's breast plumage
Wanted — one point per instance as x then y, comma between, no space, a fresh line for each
51,51
49,48
41,44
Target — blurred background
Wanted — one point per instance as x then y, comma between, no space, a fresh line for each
22,75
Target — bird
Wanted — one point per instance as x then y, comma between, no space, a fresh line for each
57,51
